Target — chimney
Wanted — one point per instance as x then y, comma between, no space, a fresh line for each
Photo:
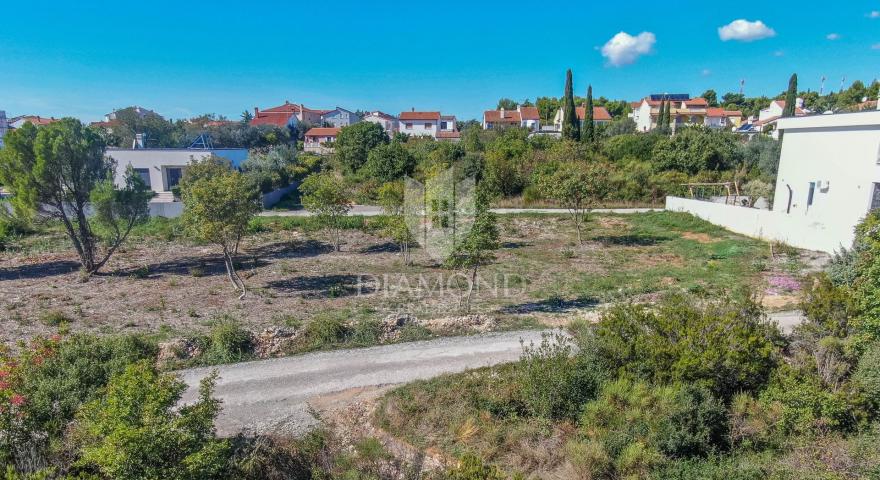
502,112
256,112
302,112
413,109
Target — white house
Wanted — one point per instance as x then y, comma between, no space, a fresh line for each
828,179
339,117
429,124
320,140
162,168
388,122
525,117
769,117
684,110
601,116
723,119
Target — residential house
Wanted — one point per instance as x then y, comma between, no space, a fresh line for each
429,124
388,122
287,115
828,180
139,111
339,117
683,111
4,126
723,119
601,116
320,140
36,120
525,117
162,168
768,117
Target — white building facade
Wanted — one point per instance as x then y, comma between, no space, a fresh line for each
4,126
388,122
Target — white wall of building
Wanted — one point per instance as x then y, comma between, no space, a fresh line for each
387,124
159,162
4,126
420,128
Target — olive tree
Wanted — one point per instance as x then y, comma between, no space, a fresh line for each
218,204
327,197
577,187
60,171
478,246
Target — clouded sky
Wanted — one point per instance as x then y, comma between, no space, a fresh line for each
84,58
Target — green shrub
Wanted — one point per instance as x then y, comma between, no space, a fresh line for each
471,467
555,382
325,331
728,346
366,332
867,374
807,407
137,430
228,342
827,307
54,318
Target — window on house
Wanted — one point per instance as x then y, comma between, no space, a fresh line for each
443,125
409,126
875,198
429,126
811,193
173,174
144,173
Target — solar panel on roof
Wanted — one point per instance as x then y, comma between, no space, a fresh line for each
675,97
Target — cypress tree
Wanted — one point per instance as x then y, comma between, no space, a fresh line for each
570,128
790,97
589,134
661,115
667,122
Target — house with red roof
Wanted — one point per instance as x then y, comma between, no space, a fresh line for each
320,140
768,117
388,122
683,110
525,117
723,119
429,124
601,116
288,115
36,120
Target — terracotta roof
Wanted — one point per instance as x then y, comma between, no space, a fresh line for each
599,113
510,116
448,134
797,110
635,105
322,132
279,119
697,102
530,113
420,115
34,119
720,112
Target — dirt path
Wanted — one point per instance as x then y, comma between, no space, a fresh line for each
275,396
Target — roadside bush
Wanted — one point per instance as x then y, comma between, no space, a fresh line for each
556,383
136,430
727,346
866,287
228,342
827,307
324,331
637,427
471,467
42,387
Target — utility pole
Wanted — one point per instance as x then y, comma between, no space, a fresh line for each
822,87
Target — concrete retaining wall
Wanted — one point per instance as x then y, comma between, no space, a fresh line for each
796,230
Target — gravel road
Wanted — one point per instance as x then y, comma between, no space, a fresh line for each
273,395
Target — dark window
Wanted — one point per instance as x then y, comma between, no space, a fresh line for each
174,175
443,125
429,126
144,174
875,199
811,193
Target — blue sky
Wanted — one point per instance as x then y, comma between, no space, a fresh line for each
84,58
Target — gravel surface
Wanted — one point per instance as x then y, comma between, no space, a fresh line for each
274,395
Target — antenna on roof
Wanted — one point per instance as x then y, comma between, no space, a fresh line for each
822,87
742,85
842,82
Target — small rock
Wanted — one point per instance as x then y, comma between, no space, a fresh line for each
473,323
392,324
176,350
273,341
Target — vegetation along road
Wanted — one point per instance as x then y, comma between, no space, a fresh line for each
273,396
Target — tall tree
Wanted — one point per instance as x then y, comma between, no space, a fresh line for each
661,116
570,129
791,97
246,117
711,97
354,142
507,104
577,187
60,171
218,204
479,244
589,134
328,198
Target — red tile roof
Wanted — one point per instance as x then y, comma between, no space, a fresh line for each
447,134
322,132
797,110
696,102
720,112
510,116
530,113
599,113
34,119
420,115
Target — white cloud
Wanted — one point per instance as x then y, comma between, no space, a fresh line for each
876,46
833,36
779,53
745,31
624,49
706,72
874,14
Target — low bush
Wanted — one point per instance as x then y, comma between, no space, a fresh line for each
867,375
555,381
727,346
228,342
